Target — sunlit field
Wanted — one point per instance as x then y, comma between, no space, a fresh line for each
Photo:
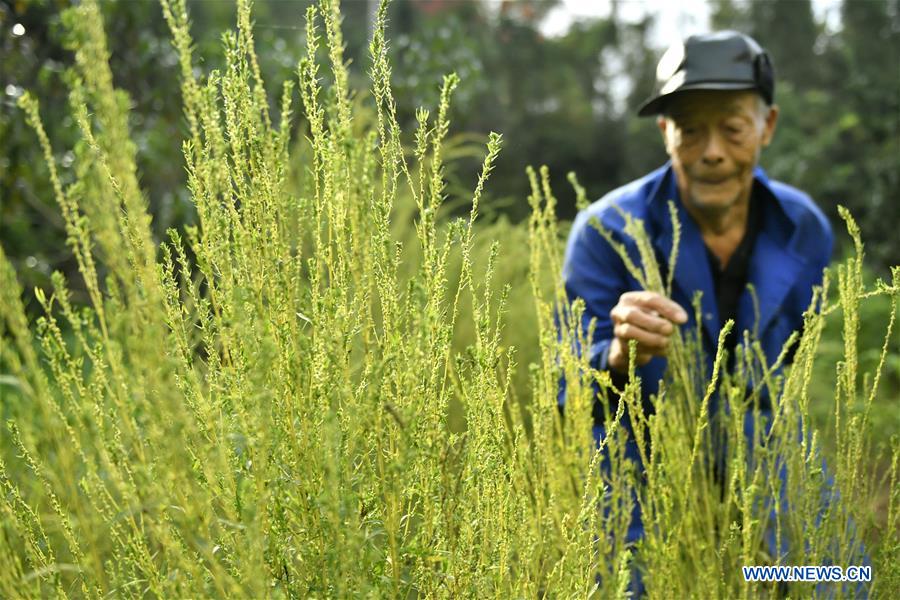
330,387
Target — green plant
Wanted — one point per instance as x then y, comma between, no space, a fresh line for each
262,406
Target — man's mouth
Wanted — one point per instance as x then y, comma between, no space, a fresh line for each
712,180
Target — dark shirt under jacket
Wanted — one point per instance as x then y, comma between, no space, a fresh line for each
729,283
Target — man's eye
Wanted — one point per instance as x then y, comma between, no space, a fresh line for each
735,128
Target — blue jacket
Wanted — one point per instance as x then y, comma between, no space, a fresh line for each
791,250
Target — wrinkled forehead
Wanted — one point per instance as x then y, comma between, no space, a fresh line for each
711,103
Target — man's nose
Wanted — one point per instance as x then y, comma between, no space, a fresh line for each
714,152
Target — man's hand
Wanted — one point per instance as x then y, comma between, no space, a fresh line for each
647,317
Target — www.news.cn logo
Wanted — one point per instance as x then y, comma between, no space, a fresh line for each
806,573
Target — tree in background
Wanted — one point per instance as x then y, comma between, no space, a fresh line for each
869,65
789,32
561,101
35,56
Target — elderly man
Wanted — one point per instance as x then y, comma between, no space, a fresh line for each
715,111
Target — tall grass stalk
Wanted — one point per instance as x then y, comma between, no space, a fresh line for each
261,405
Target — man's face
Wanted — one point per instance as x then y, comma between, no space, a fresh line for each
714,139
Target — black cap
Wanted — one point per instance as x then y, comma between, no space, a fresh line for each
724,60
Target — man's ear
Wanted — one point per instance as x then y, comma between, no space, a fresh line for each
769,125
661,123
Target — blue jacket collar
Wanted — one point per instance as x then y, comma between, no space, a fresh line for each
774,266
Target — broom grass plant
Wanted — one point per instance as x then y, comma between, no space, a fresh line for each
309,392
